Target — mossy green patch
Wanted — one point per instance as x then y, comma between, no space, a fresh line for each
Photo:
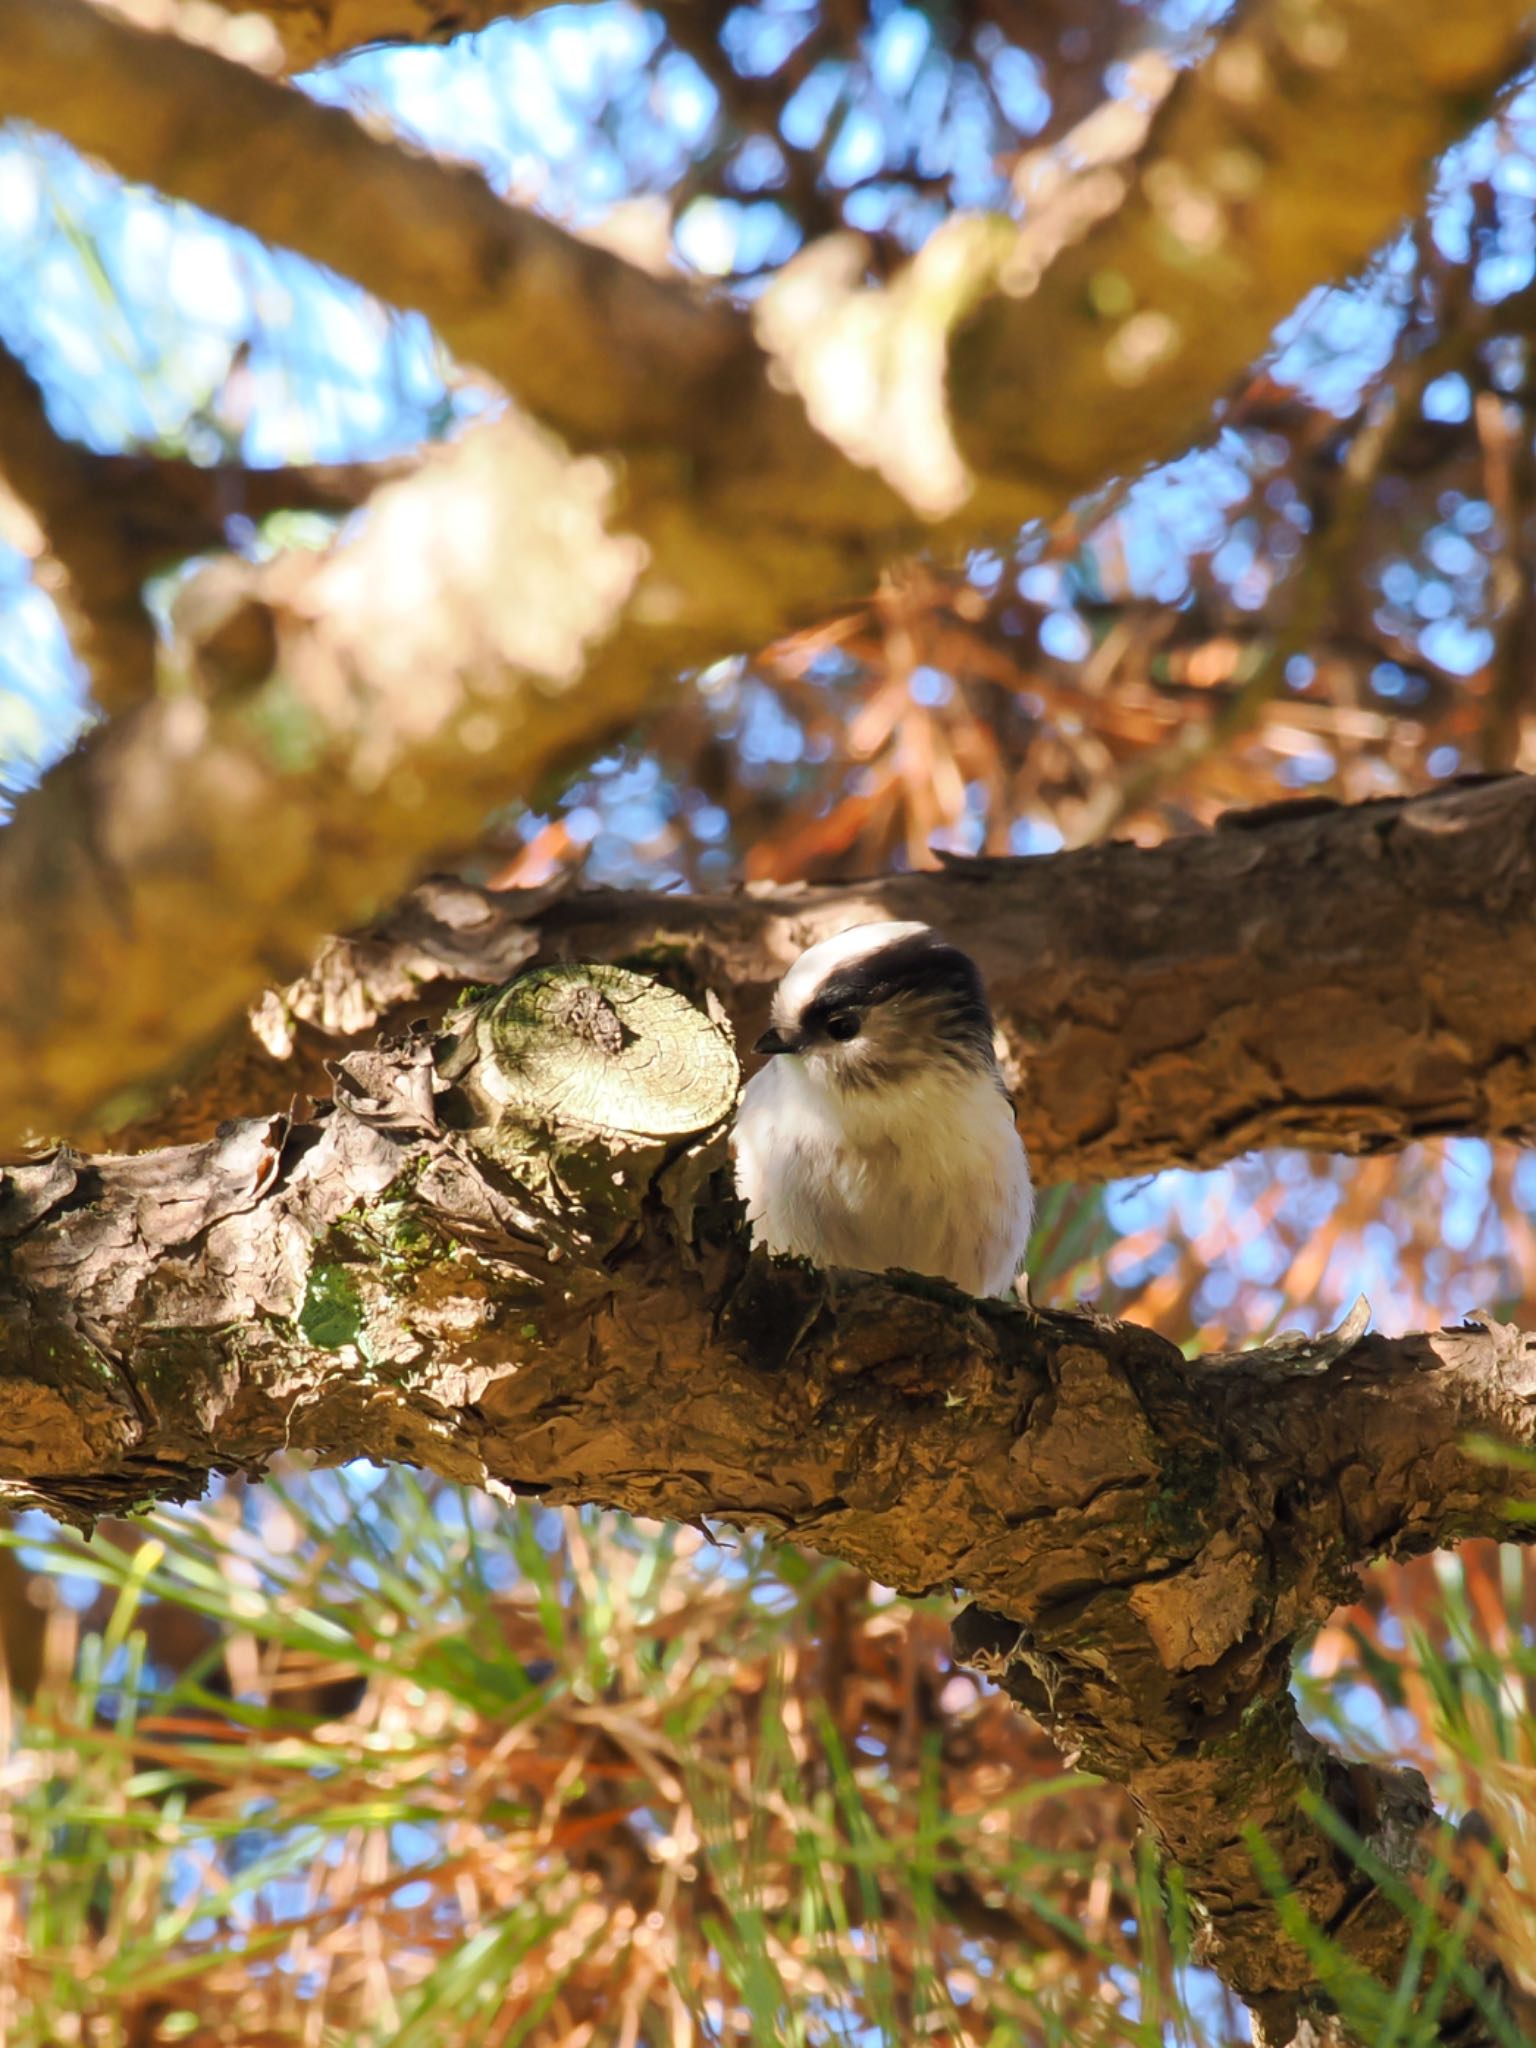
397,1233
332,1315
473,992
390,1233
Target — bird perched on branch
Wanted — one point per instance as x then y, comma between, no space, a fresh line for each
880,1133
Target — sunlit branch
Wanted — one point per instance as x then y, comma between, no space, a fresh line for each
600,348
448,1267
1150,270
1348,978
1250,189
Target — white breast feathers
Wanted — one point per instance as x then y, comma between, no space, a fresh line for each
928,1175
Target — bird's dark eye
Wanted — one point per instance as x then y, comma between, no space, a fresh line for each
843,1025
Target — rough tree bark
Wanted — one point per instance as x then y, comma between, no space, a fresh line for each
1343,977
507,1252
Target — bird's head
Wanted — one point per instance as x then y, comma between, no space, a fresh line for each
882,1004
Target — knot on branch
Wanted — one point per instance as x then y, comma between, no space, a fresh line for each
580,1082
596,1051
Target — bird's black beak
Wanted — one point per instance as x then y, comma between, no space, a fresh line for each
776,1041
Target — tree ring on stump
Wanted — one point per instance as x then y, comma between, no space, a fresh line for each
606,1049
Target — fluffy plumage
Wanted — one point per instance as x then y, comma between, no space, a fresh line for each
880,1133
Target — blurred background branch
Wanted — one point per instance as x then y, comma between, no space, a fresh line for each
598,347
98,526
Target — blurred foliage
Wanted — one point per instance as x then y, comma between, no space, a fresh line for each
343,1759
351,1758
358,1758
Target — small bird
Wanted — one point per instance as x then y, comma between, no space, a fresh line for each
880,1133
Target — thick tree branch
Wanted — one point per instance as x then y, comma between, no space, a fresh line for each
1252,188
610,355
1155,257
601,349
1146,278
505,1254
1348,978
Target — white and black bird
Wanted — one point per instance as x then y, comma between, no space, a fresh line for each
880,1133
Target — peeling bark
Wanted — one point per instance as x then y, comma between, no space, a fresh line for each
508,1253
1348,978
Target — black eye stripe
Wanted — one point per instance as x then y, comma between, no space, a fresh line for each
922,966
942,983
843,1025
